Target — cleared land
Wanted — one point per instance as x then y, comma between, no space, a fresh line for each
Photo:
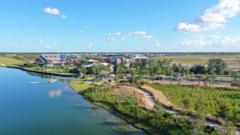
232,60
9,61
216,101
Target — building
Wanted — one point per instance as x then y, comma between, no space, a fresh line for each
74,58
118,59
90,63
140,58
53,60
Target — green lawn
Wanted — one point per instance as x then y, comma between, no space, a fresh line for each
79,86
217,101
9,61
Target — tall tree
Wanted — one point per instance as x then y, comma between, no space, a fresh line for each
216,66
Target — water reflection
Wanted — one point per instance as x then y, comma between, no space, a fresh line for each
55,93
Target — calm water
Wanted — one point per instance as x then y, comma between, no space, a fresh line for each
51,109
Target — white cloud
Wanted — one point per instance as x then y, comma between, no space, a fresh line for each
114,36
212,18
54,11
141,34
212,41
48,45
51,11
146,37
188,27
137,34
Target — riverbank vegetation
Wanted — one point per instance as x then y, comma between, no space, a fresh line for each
222,102
126,105
79,86
58,69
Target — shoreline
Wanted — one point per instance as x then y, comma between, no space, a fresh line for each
41,72
131,121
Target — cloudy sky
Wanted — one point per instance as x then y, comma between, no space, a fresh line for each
120,25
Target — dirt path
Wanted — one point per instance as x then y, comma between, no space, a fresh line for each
158,95
143,98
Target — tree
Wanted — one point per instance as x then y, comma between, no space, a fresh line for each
153,67
235,76
198,69
121,70
216,66
211,79
200,78
135,77
79,62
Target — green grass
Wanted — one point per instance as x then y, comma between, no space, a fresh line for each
9,61
217,101
79,86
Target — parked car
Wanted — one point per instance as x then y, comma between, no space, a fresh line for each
235,84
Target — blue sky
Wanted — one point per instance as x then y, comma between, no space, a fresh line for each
119,25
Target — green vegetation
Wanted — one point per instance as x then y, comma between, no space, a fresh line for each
153,121
10,61
221,102
56,69
79,86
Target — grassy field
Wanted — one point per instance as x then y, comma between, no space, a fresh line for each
232,60
10,61
79,86
217,101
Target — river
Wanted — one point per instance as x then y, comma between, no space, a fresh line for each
51,109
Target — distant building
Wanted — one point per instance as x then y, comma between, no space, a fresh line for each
118,59
140,58
90,63
53,59
74,58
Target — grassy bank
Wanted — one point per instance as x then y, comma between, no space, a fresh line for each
10,61
79,86
220,102
125,106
